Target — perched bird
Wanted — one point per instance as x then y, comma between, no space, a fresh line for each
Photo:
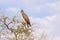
25,18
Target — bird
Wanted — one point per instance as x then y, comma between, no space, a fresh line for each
25,18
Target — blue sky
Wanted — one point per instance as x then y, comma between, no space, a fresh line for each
46,13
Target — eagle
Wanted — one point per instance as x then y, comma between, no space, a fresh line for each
25,18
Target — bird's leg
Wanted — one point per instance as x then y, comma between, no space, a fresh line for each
27,26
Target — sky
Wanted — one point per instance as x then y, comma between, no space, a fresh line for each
45,13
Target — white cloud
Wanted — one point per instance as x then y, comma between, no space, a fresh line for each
12,11
15,10
51,18
1,1
36,6
55,7
50,23
57,38
49,6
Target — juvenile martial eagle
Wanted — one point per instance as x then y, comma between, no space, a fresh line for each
25,18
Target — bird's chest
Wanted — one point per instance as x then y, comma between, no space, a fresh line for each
24,20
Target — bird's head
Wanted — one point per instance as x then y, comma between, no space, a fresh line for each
22,11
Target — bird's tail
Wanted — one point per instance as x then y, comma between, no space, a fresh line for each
30,25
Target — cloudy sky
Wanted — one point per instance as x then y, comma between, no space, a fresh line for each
46,13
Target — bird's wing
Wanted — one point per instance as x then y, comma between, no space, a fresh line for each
26,18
